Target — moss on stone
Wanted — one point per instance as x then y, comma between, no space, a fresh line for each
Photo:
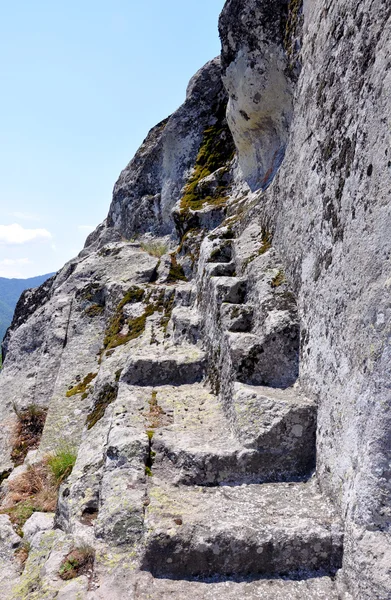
104,399
168,307
95,310
216,151
176,272
278,279
81,387
113,336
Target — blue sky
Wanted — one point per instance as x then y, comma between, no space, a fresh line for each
82,82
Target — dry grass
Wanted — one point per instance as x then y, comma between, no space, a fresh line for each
32,491
156,249
22,553
156,413
28,432
78,562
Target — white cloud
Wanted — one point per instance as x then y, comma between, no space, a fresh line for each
9,262
16,234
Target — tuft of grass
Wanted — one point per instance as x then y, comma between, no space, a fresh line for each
81,387
78,562
154,248
28,431
32,491
61,462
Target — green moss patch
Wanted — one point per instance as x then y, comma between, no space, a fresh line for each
113,336
82,387
95,310
122,330
216,151
278,280
176,272
105,398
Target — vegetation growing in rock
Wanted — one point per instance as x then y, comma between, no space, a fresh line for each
82,386
156,413
78,562
216,151
168,306
113,336
278,279
121,330
34,490
104,399
190,244
61,462
22,553
176,272
95,310
154,248
28,431
89,292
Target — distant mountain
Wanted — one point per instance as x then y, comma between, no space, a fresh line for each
10,290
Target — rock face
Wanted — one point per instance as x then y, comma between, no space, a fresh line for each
222,381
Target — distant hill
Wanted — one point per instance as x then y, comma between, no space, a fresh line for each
10,290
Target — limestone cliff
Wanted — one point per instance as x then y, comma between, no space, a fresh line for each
198,404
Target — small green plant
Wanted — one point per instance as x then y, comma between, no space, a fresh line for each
21,512
79,561
157,249
62,461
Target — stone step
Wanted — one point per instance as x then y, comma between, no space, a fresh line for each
170,366
229,289
285,529
220,269
278,423
318,588
236,317
270,359
186,324
271,436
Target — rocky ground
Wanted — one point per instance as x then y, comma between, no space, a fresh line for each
197,405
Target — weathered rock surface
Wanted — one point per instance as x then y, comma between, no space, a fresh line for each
228,402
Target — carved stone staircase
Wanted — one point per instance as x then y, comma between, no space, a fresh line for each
232,509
